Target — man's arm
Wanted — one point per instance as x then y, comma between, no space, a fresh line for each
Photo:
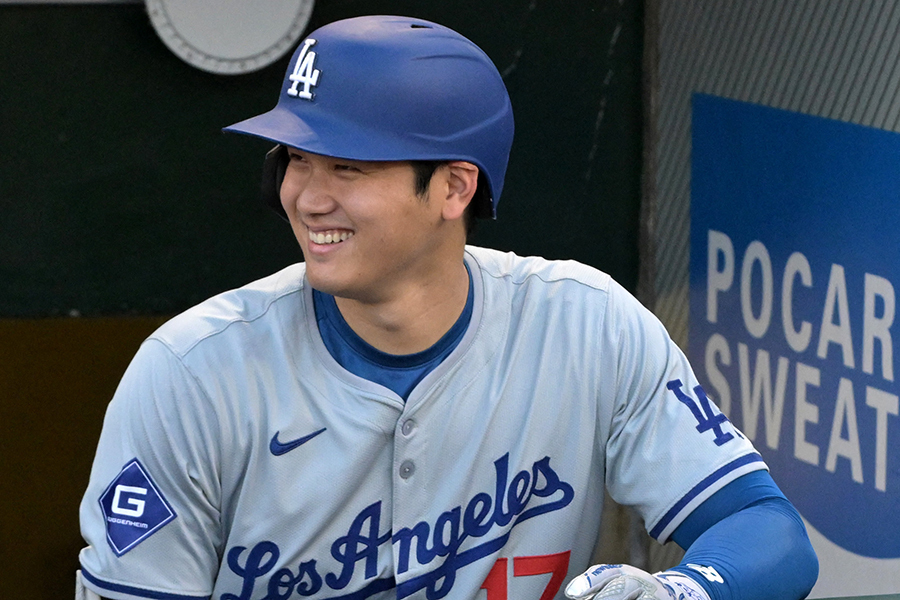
746,542
755,540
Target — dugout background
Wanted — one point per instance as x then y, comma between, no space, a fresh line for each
832,59
123,204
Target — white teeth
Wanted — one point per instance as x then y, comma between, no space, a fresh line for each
332,237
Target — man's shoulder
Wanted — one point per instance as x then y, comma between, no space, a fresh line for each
264,304
517,270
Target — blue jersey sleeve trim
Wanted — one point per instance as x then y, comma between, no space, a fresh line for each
136,591
745,491
701,487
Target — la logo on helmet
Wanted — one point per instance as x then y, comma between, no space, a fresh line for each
305,72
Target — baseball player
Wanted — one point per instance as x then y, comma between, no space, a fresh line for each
405,416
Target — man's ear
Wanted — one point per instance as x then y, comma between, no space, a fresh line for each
462,181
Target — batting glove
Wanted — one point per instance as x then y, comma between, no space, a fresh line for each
623,582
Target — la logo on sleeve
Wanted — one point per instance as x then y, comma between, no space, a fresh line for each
133,508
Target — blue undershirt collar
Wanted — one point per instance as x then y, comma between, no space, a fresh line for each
397,372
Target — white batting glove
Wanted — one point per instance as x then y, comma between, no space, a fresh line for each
623,582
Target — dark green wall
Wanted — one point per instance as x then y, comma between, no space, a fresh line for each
120,195
122,201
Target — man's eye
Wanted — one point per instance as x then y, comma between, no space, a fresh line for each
346,168
296,157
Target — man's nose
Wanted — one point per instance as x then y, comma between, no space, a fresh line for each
314,193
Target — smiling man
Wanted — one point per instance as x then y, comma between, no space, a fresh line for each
405,416
346,214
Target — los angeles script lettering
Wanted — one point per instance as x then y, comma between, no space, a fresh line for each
422,543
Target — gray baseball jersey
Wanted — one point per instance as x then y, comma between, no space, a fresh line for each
239,461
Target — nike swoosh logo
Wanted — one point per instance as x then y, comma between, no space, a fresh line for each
277,448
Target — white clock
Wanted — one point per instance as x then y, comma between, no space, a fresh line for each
230,36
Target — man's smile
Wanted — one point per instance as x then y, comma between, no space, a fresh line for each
332,236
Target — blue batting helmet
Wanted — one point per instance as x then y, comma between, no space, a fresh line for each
387,88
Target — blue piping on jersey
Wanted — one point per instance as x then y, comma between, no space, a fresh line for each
700,488
135,591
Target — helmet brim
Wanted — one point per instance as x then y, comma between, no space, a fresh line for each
323,134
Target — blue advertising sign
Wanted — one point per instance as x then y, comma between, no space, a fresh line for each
795,262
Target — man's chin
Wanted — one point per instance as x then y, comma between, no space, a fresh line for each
327,285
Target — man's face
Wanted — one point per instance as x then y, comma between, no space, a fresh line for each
364,232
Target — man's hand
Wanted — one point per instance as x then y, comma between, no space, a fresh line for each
623,582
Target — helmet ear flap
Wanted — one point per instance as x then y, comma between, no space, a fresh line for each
274,167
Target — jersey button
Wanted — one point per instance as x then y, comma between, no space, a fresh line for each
407,468
408,427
